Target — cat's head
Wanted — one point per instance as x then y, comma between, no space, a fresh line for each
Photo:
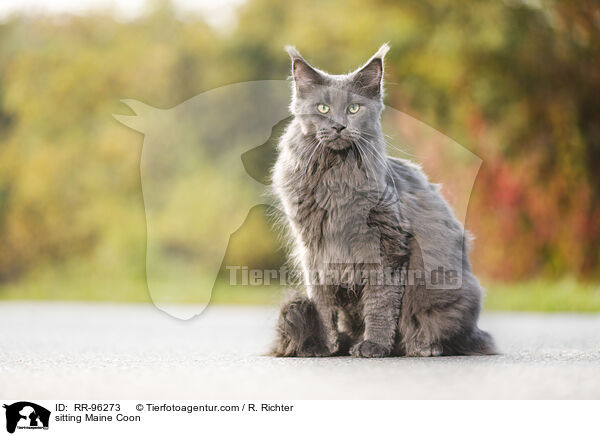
338,109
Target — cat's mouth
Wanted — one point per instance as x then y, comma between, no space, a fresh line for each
338,143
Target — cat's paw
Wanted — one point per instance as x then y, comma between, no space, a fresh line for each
313,348
344,344
369,349
335,346
424,350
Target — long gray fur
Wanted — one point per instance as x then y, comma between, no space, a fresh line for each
367,232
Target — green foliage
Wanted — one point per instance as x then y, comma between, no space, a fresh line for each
566,295
515,82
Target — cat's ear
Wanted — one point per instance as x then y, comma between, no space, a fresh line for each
368,79
303,74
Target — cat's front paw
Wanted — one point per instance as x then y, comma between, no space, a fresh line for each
424,350
369,349
313,348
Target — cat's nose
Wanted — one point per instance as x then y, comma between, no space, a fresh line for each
338,127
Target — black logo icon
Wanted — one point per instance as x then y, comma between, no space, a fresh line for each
26,415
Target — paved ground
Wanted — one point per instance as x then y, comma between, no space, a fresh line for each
102,351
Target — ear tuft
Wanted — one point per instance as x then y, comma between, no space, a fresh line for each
303,74
382,51
368,80
293,52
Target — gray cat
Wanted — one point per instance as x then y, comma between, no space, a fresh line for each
368,232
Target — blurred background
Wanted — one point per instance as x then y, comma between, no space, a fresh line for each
516,82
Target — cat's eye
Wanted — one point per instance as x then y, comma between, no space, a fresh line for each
323,108
353,108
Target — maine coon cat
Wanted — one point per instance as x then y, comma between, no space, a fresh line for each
368,232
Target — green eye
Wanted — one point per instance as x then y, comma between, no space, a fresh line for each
323,108
353,108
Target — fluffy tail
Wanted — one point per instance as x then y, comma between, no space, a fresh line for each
477,342
299,330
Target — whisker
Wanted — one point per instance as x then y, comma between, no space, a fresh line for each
368,166
388,143
383,161
316,147
366,163
304,153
